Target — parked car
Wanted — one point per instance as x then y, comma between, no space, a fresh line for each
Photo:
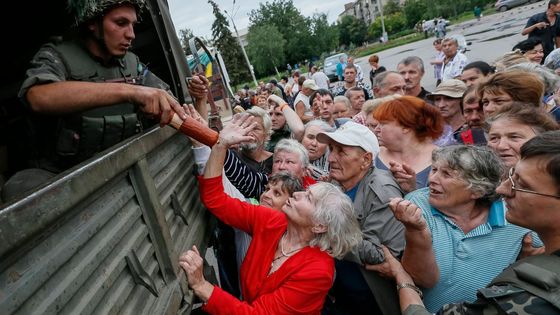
504,5
329,66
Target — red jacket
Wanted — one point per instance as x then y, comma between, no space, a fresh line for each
299,286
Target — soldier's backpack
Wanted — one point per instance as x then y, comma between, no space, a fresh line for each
537,275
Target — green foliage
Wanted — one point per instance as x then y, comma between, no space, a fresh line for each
324,36
352,31
415,11
266,48
392,7
394,23
228,47
288,20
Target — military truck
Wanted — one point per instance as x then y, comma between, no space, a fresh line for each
103,237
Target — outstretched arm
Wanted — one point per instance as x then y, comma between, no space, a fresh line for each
292,118
418,243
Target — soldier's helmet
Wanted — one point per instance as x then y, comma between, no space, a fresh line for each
85,10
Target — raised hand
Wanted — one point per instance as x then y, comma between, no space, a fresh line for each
404,175
198,86
276,99
237,130
408,213
527,248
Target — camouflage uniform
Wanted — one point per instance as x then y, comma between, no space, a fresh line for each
505,298
63,141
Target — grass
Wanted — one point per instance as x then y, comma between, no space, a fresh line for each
377,47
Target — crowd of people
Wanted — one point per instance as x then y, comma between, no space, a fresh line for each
438,183
352,198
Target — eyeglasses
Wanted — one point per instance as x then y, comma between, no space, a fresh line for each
513,188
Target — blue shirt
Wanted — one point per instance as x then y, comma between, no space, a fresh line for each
469,261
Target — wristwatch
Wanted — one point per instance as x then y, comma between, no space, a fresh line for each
410,286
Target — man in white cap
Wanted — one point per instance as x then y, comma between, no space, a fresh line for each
301,103
357,291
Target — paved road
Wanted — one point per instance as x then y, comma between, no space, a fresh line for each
493,36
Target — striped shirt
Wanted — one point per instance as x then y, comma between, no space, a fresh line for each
469,261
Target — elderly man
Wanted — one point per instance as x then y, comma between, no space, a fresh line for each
356,291
448,97
350,81
412,70
531,194
253,153
454,61
389,83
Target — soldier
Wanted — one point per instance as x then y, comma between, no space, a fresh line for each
85,93
530,285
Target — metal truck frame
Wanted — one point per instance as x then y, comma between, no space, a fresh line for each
103,237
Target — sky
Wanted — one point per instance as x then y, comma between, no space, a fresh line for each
197,14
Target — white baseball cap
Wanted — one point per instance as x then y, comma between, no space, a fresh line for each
354,135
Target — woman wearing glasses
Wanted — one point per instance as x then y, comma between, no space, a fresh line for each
457,226
510,129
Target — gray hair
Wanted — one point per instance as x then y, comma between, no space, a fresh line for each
379,80
343,99
547,76
335,211
479,166
413,60
319,123
292,146
256,111
451,39
348,93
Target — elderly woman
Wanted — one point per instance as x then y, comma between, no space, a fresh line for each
318,152
289,267
459,231
510,129
501,89
407,127
289,155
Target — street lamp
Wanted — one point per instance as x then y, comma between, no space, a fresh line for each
242,48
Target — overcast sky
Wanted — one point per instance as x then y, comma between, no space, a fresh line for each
197,14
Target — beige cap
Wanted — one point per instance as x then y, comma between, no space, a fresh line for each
452,88
310,84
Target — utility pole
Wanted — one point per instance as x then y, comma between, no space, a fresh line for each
380,6
242,48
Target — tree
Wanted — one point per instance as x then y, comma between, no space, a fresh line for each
229,47
352,30
324,36
266,48
288,20
394,23
392,7
415,11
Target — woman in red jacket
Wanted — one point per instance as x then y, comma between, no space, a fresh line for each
289,267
